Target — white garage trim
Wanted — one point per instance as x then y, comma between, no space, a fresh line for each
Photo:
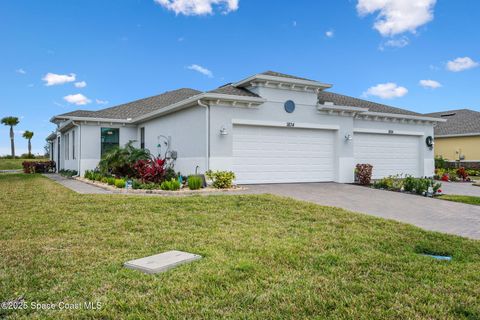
394,132
301,125
270,154
389,154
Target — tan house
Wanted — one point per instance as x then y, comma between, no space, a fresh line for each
459,137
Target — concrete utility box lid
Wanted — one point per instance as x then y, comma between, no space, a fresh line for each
161,262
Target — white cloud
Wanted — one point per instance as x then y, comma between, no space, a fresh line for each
397,16
21,71
99,101
461,64
388,90
52,79
77,99
430,84
202,70
330,33
395,43
80,84
198,7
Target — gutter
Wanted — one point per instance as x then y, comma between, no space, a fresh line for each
207,129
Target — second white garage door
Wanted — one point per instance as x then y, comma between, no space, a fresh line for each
389,154
282,155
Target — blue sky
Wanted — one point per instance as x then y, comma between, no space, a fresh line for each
131,49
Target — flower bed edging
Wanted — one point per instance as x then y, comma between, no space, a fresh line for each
184,191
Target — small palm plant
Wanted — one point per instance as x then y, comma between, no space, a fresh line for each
29,135
12,122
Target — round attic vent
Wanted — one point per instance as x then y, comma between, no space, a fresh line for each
289,106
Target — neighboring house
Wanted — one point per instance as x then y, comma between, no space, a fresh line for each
268,128
459,137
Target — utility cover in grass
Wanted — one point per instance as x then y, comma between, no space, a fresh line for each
161,262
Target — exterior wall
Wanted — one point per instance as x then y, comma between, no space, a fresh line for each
90,145
306,114
452,148
427,162
186,130
71,163
273,110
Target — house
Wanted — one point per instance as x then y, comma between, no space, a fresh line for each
267,128
459,137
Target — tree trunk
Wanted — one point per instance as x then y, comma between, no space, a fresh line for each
29,147
12,142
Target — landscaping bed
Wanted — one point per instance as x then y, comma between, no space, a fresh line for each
184,191
264,257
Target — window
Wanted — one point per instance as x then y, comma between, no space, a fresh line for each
110,138
142,138
66,146
73,145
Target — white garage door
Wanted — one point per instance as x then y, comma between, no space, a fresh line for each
389,154
282,155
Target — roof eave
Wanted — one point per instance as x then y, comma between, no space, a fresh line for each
291,81
459,135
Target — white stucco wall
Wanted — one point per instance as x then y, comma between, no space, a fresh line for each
306,113
187,132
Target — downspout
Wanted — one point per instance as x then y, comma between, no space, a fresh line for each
79,155
207,124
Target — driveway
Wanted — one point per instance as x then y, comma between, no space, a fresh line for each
461,188
431,214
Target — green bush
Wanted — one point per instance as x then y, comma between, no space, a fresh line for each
170,185
120,161
120,183
136,184
104,180
88,174
68,173
221,179
194,182
98,177
111,181
440,162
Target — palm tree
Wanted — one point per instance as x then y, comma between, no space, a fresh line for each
29,135
11,121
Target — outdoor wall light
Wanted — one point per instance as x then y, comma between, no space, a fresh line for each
348,137
223,131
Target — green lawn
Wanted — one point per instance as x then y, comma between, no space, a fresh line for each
264,257
463,199
11,164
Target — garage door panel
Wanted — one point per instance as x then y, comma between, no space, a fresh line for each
281,155
389,154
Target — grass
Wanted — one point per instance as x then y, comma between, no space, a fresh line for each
11,164
264,257
463,199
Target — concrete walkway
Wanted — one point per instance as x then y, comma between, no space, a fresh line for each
77,186
431,214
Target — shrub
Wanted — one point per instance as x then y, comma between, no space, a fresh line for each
151,170
120,183
88,174
364,173
194,182
170,185
68,173
97,176
440,162
221,179
462,173
120,161
111,181
393,183
104,180
38,166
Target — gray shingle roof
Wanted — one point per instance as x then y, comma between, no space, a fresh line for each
342,100
138,107
229,89
283,75
462,121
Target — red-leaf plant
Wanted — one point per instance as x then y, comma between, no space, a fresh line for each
462,173
152,170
